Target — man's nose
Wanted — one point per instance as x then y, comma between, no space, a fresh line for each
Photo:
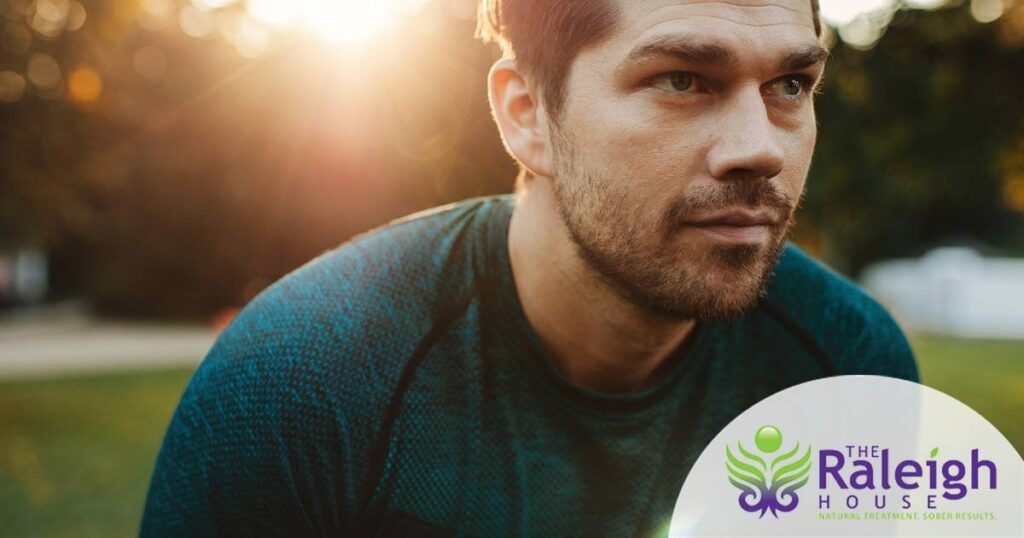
745,146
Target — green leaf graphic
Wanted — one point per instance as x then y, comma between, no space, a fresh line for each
785,456
751,457
935,452
794,471
736,477
743,471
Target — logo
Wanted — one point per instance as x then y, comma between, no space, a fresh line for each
768,484
855,455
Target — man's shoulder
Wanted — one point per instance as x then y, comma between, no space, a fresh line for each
835,318
355,315
808,289
409,253
292,396
396,272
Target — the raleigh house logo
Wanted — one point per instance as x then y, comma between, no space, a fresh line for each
768,484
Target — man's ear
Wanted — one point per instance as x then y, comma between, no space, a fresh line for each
521,118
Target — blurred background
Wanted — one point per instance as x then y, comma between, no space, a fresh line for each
162,161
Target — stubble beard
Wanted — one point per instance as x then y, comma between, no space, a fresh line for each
656,274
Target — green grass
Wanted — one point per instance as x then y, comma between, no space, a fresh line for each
76,453
987,375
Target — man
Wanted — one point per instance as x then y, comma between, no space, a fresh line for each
550,364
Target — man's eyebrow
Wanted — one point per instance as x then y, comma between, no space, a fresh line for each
699,52
687,50
806,57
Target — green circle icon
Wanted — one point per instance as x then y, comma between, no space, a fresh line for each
768,439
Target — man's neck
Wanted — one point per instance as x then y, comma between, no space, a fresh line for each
598,339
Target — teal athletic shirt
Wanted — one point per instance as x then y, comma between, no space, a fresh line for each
393,387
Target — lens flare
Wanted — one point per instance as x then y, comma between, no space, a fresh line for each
333,20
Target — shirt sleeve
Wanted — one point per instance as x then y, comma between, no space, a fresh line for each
254,448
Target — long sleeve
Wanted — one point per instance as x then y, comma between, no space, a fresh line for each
254,448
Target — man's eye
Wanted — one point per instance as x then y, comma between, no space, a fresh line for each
790,86
677,81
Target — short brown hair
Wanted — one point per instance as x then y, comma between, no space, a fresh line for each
546,35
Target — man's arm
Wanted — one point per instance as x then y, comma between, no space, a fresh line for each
255,447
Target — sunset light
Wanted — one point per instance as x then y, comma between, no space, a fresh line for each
333,20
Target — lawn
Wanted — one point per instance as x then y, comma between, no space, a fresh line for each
987,375
76,453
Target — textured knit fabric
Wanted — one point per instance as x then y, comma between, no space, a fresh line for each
393,387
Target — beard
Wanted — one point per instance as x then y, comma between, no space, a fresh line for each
648,265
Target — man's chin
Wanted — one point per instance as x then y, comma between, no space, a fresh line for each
718,305
729,284
742,259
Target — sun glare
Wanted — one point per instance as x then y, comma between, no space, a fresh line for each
333,20
840,12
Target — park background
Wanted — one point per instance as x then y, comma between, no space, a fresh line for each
162,161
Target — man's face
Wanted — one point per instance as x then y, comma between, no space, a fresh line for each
683,146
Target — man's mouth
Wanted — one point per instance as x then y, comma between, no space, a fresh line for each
737,226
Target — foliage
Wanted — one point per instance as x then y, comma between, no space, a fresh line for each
169,176
913,136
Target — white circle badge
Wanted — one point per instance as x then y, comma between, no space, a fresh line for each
855,456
